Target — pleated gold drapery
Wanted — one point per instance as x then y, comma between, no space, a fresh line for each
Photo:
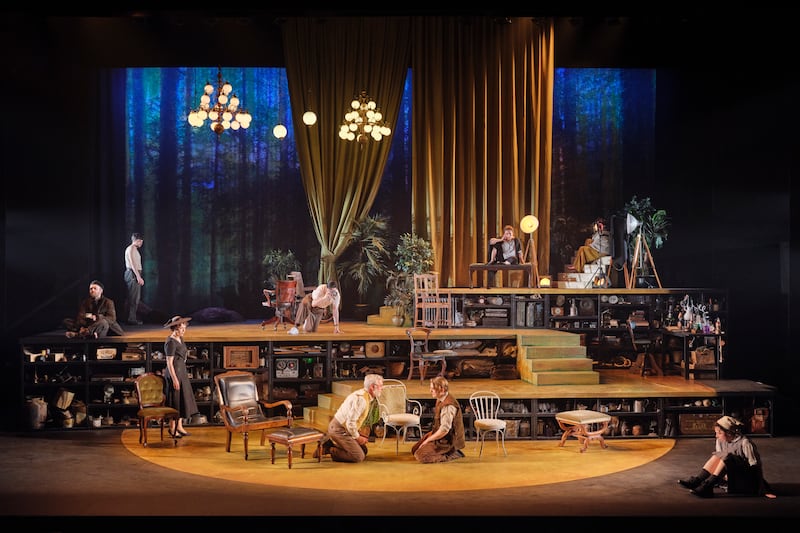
328,62
481,126
482,119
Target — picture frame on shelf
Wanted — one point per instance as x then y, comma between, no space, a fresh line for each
240,357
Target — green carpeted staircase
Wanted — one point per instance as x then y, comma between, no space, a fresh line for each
550,357
384,317
320,415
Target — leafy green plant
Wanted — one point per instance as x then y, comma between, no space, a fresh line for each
278,264
367,257
413,255
654,227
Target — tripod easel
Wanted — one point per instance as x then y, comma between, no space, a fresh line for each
641,242
534,259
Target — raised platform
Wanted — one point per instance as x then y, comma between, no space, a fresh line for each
545,363
479,269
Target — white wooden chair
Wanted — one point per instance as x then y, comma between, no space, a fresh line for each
395,404
485,407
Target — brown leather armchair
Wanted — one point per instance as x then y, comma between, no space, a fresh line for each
241,409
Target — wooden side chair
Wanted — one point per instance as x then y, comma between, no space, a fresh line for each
285,301
152,405
420,354
431,309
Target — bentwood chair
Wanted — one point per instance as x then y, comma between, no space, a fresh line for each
420,354
485,407
398,411
241,409
152,405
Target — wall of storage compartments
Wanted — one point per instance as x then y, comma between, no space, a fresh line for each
89,384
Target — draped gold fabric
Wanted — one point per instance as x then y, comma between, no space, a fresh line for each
482,120
481,126
328,62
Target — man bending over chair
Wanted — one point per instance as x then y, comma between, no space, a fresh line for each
312,308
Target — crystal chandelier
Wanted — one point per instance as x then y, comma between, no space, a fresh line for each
363,121
224,113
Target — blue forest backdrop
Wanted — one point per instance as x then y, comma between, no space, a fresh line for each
211,206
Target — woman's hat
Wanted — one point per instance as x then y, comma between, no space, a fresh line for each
728,423
176,320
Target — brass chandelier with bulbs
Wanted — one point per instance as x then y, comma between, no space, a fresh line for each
363,121
224,112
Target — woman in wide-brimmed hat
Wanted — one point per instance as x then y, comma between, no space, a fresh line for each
179,390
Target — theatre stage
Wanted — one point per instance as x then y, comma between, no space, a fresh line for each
614,383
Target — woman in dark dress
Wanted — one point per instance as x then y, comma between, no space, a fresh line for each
179,390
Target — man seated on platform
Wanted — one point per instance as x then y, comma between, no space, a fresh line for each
504,250
312,308
595,247
97,316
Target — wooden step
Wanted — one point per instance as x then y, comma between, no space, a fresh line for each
317,417
550,352
560,364
383,318
554,358
564,378
547,337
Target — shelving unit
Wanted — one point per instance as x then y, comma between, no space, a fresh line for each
98,374
600,314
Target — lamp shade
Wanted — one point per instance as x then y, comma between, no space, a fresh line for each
529,224
279,131
309,118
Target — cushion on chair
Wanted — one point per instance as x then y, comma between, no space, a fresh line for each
155,412
289,434
583,416
489,424
402,419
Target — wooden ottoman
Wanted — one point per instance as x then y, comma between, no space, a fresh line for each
579,424
290,437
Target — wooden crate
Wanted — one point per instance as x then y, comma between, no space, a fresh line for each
697,423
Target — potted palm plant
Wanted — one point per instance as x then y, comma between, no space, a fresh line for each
365,261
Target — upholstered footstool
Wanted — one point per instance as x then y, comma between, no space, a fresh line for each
294,436
584,425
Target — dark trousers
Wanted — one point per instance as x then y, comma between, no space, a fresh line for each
134,295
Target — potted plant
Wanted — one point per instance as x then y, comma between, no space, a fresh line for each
366,259
413,255
653,225
278,264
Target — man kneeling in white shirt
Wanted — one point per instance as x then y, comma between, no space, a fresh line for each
312,308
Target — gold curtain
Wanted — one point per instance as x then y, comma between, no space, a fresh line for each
482,134
328,62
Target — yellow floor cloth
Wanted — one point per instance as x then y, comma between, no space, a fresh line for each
528,462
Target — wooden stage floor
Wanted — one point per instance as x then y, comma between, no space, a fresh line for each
614,383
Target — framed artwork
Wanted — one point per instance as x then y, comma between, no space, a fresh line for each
241,357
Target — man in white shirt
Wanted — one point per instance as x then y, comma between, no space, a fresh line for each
133,278
313,306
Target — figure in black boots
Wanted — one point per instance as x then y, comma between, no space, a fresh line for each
735,461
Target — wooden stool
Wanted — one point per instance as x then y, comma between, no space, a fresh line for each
577,423
289,437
